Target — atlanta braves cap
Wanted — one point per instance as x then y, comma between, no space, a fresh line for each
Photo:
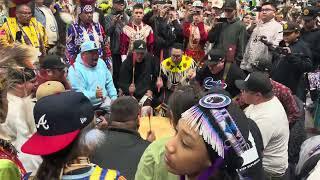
139,46
58,119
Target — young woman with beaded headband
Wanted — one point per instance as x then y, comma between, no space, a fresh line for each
210,143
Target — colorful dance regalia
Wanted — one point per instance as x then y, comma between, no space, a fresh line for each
131,33
9,160
96,172
33,35
196,37
78,33
64,5
177,73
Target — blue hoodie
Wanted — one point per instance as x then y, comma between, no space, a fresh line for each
86,80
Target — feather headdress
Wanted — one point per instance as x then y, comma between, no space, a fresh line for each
15,60
18,55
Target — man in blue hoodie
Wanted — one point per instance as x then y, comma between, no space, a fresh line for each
90,75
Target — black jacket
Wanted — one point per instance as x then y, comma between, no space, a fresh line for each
145,75
230,33
121,150
113,30
312,39
288,69
165,34
235,73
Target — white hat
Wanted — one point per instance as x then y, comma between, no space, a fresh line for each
217,3
197,4
49,88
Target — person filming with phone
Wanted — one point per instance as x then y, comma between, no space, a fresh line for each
166,27
114,23
195,33
229,32
291,60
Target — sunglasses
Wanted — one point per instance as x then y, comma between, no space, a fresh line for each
176,56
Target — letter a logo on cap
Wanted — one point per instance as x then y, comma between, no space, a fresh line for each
141,46
247,77
42,122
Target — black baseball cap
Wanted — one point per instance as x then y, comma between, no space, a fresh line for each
262,65
215,56
159,2
52,62
187,2
118,1
230,4
58,119
139,46
256,82
290,27
310,13
271,3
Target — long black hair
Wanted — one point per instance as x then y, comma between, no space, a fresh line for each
53,164
182,99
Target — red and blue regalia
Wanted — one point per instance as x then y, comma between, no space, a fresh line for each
79,32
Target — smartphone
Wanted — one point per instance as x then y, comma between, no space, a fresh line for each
19,36
118,13
258,8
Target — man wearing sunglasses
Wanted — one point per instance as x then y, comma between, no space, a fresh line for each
229,32
91,76
53,68
25,29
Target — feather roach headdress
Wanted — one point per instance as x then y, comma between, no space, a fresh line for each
213,122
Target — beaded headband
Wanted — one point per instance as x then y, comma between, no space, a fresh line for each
85,9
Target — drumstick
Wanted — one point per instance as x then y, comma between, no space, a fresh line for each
149,115
161,59
133,65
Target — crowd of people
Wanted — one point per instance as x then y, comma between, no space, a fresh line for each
232,78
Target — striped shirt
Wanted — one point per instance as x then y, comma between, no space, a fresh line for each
96,173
